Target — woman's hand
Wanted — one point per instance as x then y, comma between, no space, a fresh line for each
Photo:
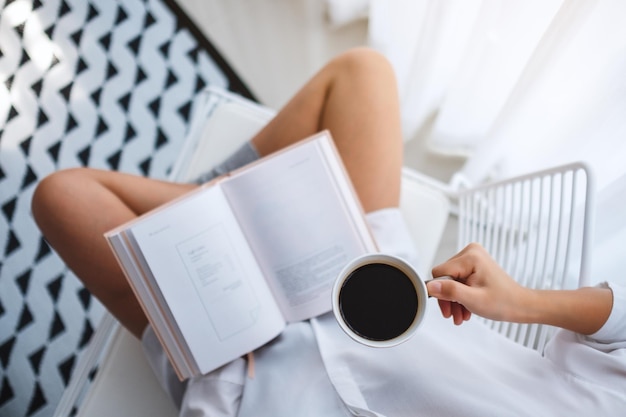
479,286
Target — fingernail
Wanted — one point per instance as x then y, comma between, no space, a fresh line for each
434,287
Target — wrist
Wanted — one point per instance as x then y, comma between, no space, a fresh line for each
563,308
530,306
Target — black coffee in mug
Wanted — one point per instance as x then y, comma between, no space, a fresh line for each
378,301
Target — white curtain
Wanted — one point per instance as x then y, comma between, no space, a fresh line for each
517,86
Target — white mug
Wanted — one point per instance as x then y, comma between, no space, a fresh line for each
379,300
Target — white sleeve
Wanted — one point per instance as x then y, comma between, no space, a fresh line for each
392,235
600,358
163,370
614,330
215,394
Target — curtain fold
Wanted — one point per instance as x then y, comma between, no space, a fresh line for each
424,40
515,87
498,54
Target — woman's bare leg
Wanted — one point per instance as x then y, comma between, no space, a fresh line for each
354,97
75,207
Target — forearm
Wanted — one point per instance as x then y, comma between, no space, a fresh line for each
584,310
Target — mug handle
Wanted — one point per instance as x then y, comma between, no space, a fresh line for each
447,277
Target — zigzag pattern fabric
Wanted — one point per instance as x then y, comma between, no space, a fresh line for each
101,83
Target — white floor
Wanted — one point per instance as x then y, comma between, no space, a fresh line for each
276,45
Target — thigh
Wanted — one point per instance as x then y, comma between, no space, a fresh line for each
74,208
355,97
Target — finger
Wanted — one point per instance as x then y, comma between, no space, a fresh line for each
457,313
444,306
466,314
460,253
462,264
458,267
449,290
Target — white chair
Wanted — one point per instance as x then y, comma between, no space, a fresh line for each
536,226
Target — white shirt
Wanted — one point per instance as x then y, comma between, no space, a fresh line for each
314,369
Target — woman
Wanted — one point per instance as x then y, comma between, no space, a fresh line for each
313,368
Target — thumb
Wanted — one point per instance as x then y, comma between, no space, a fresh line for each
448,290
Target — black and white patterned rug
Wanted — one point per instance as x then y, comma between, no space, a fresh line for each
101,83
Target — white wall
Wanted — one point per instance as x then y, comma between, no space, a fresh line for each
274,45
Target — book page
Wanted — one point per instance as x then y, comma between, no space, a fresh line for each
299,225
208,277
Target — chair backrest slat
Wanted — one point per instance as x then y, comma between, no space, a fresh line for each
537,227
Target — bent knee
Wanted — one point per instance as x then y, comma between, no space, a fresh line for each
364,60
51,190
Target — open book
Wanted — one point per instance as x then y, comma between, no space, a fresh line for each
221,270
